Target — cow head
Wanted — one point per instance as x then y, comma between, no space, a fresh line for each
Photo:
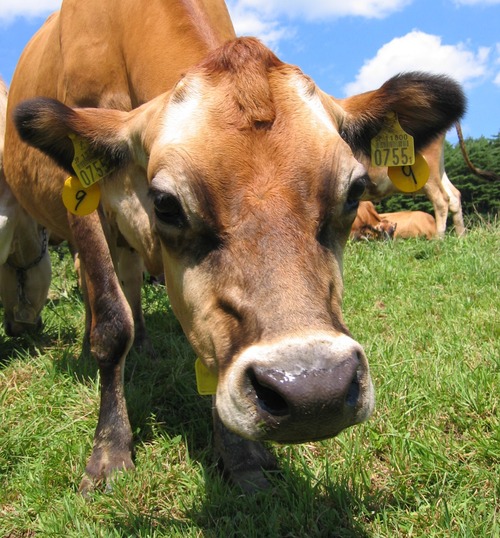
255,176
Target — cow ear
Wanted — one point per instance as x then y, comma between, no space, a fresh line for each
47,124
426,105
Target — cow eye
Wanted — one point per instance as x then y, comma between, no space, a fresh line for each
169,211
356,191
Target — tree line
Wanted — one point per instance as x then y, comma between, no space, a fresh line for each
478,196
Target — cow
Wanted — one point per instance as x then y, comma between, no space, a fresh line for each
412,224
241,180
444,196
25,270
368,224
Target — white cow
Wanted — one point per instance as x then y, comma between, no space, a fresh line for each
24,260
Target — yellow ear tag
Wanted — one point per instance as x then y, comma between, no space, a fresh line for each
410,178
78,200
88,167
392,146
206,381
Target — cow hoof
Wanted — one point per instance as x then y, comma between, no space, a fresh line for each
100,476
90,484
246,464
143,345
249,481
16,329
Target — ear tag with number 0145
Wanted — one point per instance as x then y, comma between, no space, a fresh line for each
206,381
410,178
392,146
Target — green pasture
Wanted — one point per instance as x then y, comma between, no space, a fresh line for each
425,465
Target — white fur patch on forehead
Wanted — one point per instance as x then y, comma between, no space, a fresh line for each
308,95
184,114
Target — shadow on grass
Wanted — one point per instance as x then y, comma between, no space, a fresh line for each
162,400
294,506
34,342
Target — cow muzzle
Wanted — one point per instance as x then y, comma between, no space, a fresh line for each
296,389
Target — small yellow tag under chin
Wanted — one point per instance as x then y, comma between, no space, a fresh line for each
206,381
392,146
78,200
410,178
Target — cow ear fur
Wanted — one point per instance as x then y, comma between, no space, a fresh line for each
426,105
47,125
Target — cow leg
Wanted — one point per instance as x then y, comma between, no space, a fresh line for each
455,198
130,271
243,461
437,195
111,335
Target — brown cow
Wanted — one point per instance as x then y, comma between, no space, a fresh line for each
368,224
412,224
241,180
443,195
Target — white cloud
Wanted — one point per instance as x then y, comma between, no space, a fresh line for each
264,18
477,2
496,80
9,9
418,51
249,22
319,9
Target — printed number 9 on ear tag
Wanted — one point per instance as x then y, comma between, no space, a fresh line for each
78,200
410,178
206,381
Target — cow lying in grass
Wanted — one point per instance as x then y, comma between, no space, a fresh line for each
412,224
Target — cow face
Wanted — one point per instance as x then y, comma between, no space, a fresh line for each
255,177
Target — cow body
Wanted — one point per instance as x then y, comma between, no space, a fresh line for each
441,192
368,224
242,180
412,224
134,54
24,260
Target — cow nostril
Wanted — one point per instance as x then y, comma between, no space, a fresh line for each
268,399
353,392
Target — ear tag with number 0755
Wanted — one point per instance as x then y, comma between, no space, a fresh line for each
206,381
392,146
89,167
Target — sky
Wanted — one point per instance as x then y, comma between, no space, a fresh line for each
347,46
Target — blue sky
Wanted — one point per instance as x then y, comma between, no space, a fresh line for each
347,46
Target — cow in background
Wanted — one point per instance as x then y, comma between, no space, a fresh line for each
441,192
412,224
369,225
25,270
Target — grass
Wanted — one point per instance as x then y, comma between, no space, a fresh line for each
426,464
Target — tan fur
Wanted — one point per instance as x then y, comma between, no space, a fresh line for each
412,224
368,224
